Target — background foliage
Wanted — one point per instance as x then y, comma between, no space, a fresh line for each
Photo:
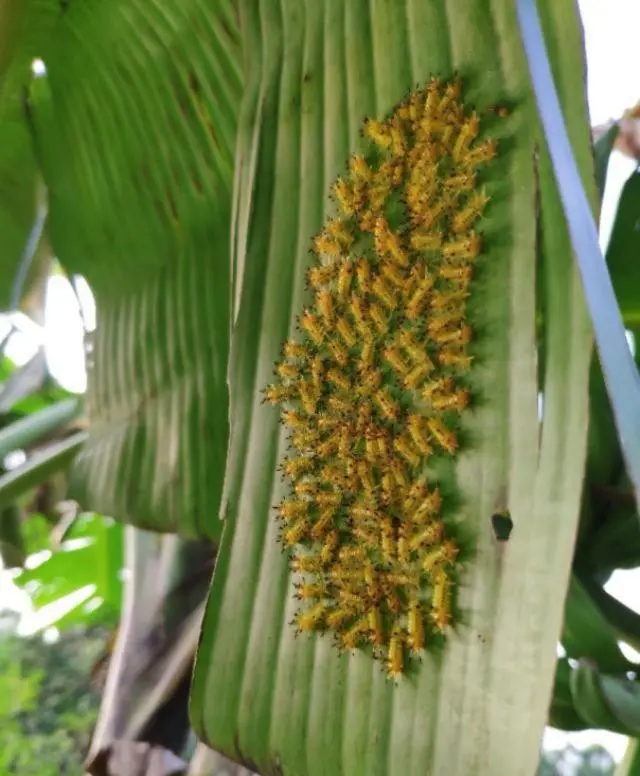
48,706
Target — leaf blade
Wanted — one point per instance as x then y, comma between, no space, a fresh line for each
259,695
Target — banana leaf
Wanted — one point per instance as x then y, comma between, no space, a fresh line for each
134,129
284,705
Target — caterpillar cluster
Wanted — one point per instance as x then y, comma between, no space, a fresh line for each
373,387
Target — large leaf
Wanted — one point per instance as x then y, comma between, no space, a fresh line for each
135,130
291,706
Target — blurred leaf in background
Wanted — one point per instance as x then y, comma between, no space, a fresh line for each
80,583
47,705
35,533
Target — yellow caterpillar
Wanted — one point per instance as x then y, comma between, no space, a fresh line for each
375,384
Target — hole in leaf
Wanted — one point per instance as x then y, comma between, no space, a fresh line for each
502,526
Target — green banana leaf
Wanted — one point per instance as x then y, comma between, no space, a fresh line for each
25,433
292,706
585,698
615,541
24,29
602,152
609,702
88,560
39,467
562,712
624,621
134,129
587,633
36,427
622,253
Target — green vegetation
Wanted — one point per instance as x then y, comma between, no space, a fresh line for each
186,151
48,706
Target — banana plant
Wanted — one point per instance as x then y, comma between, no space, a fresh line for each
193,154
